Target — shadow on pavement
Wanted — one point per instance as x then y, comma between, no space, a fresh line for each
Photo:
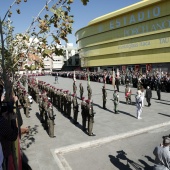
150,159
116,161
164,114
102,108
163,103
28,139
128,114
160,100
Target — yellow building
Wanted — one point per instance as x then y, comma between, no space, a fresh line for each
135,35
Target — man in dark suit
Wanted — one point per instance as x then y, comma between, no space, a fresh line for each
148,95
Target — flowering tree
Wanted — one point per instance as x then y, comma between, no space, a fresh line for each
53,20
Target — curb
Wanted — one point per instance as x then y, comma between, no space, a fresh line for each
63,164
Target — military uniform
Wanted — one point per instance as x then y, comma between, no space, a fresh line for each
89,90
75,108
104,97
50,121
26,105
65,102
84,113
90,117
68,98
74,87
81,90
116,101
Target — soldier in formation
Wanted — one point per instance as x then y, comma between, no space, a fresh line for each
90,115
74,87
50,120
104,97
75,108
84,113
116,101
68,98
81,90
89,90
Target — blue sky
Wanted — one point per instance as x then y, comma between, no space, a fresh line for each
82,14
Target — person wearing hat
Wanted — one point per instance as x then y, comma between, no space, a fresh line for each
74,87
81,90
61,100
104,97
138,104
90,114
50,120
75,108
37,93
68,99
162,155
116,101
40,104
45,108
148,95
89,90
26,104
83,114
65,102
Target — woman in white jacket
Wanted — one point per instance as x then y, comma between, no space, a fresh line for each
142,95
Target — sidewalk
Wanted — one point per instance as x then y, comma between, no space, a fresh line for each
42,151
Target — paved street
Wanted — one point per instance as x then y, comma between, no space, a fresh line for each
74,149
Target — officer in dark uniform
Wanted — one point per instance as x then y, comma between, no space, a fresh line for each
117,82
75,108
104,97
84,113
81,90
158,88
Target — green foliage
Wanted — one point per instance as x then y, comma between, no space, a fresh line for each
56,22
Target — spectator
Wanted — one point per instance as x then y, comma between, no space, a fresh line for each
8,132
162,155
1,156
